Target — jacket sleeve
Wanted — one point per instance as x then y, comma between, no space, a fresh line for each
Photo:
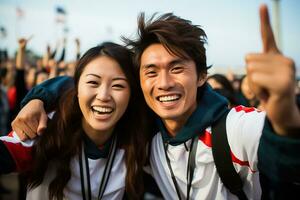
7,164
15,155
278,164
49,91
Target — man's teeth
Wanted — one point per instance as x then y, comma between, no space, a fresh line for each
168,98
102,110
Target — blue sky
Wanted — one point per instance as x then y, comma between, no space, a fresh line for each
232,26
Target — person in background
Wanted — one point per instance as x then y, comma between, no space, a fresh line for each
223,86
245,95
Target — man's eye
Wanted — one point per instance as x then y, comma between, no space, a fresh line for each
150,73
177,69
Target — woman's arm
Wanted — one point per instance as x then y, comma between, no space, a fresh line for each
15,156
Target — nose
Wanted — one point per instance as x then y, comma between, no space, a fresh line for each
103,93
165,81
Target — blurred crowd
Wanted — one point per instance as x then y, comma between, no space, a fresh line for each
22,72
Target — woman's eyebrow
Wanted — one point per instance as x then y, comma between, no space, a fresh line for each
93,75
120,78
114,79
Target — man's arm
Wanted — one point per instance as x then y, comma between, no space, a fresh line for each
278,164
32,119
272,78
49,91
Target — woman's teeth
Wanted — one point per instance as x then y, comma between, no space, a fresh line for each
102,110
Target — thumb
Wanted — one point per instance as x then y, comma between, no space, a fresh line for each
42,123
268,40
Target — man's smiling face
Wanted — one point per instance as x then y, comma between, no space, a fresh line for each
169,83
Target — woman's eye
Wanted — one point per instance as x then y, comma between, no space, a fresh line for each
92,82
118,86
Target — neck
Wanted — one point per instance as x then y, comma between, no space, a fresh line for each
173,126
98,137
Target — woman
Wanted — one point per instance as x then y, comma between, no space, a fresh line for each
89,149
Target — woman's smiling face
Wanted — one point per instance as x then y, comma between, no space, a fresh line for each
103,95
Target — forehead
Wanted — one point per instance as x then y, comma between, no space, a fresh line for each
157,54
104,66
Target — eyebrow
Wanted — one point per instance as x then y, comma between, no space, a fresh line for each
170,64
177,61
114,79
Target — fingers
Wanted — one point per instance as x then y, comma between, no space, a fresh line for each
270,63
256,83
268,40
23,129
31,119
20,133
273,72
24,41
30,129
42,123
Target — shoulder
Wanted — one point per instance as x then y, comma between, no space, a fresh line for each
244,127
243,119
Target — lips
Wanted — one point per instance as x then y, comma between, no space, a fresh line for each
102,110
168,98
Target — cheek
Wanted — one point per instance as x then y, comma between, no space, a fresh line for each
81,102
146,83
122,100
147,86
191,87
82,98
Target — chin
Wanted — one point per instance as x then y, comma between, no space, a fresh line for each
101,128
168,116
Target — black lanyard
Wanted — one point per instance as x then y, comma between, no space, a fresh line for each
85,171
190,168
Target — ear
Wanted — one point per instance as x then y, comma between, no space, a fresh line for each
201,79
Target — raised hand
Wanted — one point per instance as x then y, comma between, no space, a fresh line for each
20,59
23,42
271,76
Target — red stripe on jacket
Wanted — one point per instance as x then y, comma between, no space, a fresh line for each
206,139
245,109
21,155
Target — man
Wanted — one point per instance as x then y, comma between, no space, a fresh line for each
171,61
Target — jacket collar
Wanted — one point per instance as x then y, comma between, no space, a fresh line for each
210,108
93,151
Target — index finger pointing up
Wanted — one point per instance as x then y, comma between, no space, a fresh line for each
269,44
